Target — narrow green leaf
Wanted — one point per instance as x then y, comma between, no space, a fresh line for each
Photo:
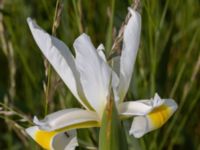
112,135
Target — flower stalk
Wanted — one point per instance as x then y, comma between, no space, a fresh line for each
111,129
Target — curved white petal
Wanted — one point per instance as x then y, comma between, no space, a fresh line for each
157,101
134,108
131,41
140,107
139,127
100,50
68,119
65,141
153,120
95,74
115,78
115,83
60,57
53,140
72,145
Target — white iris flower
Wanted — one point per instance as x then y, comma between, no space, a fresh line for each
88,76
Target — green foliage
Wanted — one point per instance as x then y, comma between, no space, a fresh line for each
168,62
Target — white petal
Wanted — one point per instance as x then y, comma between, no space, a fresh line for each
68,119
129,52
72,145
60,57
53,140
140,107
65,141
94,72
115,78
100,50
115,83
133,108
157,101
154,120
139,126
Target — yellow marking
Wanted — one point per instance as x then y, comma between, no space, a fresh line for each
44,138
159,116
88,124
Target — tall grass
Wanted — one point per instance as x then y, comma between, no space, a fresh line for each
168,62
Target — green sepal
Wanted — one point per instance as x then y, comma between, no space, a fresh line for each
112,135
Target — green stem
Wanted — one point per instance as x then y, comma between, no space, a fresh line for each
110,28
47,89
77,9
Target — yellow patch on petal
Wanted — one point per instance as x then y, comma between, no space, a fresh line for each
159,116
81,125
44,138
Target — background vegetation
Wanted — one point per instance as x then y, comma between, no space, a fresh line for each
168,62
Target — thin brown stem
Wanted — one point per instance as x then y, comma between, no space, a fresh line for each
116,48
48,87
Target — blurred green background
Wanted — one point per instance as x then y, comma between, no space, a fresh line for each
168,62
